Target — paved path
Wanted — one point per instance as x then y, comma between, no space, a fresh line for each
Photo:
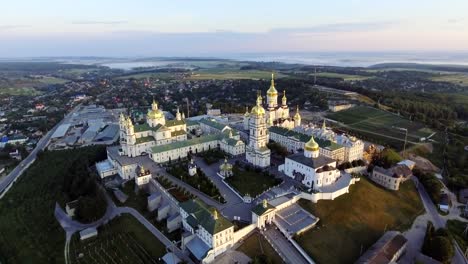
286,249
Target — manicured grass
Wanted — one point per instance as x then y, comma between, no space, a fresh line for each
362,118
256,245
346,77
358,219
122,240
29,232
251,182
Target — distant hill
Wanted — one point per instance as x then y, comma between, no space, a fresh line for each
419,66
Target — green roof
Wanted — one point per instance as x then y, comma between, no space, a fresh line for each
174,122
326,144
230,141
185,143
146,127
201,214
142,127
144,139
178,133
213,123
191,122
260,210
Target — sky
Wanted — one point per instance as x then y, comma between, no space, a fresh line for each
211,27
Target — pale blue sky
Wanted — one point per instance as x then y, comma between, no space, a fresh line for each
201,27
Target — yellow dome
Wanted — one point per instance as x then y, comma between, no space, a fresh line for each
311,145
272,91
297,115
155,114
258,110
225,166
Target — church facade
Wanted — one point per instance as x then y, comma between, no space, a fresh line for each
276,114
136,140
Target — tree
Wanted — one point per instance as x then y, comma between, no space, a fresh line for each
441,249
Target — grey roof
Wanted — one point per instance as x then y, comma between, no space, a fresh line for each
109,133
123,160
61,131
198,247
384,249
310,162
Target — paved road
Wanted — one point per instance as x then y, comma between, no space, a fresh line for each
286,249
7,181
437,220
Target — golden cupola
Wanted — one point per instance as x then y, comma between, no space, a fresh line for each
258,110
154,113
297,115
284,99
311,145
272,91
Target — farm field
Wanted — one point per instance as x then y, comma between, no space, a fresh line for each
357,219
346,77
122,240
27,91
378,125
226,74
460,79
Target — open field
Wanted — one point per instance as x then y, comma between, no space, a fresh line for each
122,240
29,231
223,74
256,245
156,75
27,91
378,125
358,219
346,77
51,80
460,79
251,182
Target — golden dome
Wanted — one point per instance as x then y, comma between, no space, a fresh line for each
155,114
272,91
311,145
258,109
225,166
297,115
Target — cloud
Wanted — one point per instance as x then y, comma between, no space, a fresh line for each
96,22
10,27
339,27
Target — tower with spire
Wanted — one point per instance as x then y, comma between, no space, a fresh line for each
257,153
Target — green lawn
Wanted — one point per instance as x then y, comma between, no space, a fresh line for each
358,219
378,124
256,245
346,77
251,182
29,232
122,240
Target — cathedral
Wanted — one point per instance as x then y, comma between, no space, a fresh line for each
136,140
276,114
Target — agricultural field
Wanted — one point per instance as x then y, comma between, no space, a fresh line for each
346,77
256,245
460,79
358,219
379,126
155,75
229,74
122,240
